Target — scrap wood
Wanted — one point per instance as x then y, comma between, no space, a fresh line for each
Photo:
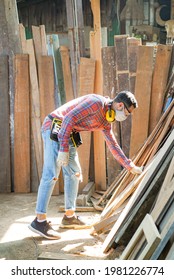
142,158
138,192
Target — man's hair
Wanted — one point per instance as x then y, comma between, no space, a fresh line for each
127,98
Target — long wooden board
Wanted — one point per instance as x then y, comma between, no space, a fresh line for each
46,85
35,107
109,89
22,125
95,53
68,85
86,86
140,118
5,168
159,82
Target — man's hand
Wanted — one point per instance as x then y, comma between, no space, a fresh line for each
63,158
136,169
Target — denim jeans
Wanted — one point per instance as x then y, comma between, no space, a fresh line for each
51,171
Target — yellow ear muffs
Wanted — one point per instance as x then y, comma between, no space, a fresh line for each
110,115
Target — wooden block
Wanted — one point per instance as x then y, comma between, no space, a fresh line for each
159,82
5,165
140,118
148,229
21,125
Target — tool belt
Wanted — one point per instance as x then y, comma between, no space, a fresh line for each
56,126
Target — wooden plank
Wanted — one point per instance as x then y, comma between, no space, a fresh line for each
148,229
37,41
159,82
109,89
154,166
95,53
140,118
35,107
5,163
46,85
43,39
86,86
46,90
66,73
21,125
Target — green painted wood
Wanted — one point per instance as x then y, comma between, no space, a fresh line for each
5,168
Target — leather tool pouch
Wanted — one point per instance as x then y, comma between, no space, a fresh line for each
55,127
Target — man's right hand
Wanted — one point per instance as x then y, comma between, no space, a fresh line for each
136,169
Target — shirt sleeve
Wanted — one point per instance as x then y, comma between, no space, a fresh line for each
115,149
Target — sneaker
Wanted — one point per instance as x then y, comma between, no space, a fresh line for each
44,229
74,222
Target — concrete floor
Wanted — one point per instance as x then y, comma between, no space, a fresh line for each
17,242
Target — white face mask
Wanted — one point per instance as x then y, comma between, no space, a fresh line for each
120,116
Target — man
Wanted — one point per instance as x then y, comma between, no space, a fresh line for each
88,113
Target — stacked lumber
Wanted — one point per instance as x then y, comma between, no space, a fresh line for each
132,197
127,66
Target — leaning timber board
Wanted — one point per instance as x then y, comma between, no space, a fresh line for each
109,88
95,53
21,125
86,86
110,239
122,78
159,82
35,107
68,85
5,170
146,229
140,118
46,85
46,91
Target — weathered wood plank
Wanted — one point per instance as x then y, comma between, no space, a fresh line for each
159,82
86,86
109,89
67,73
95,53
140,118
5,165
35,107
22,125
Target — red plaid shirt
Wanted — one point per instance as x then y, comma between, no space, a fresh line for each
87,113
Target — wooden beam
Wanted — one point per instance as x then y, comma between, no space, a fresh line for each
159,82
95,53
86,86
140,118
22,125
5,163
69,94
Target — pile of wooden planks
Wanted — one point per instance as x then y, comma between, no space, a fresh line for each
132,197
128,65
42,83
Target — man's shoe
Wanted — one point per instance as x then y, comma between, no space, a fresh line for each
74,223
44,229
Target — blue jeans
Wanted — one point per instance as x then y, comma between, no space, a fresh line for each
51,171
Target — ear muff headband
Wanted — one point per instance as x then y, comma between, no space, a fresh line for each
110,114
